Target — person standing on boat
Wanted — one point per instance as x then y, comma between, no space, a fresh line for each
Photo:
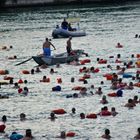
64,24
47,47
68,47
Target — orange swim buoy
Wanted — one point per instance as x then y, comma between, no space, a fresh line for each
91,116
137,84
112,94
70,134
3,72
59,111
2,127
25,72
82,62
138,55
81,79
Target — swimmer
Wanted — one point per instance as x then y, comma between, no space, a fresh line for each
106,135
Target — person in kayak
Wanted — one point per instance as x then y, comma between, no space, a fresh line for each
46,47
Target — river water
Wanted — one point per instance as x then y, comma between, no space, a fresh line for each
26,29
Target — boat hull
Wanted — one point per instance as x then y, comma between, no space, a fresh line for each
58,58
61,33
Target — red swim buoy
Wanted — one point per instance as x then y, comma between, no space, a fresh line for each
96,70
70,134
77,88
105,113
86,76
8,78
118,61
25,72
102,61
91,116
112,94
20,90
59,111
81,79
2,127
20,81
108,76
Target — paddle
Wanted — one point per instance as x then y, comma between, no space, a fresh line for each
24,61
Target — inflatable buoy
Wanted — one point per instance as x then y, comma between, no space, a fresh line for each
81,79
4,72
96,70
102,61
70,134
7,78
118,61
20,90
108,76
56,88
105,113
59,111
86,76
82,62
138,55
85,61
91,116
127,76
138,72
16,136
2,127
119,93
77,88
112,94
20,81
137,84
25,72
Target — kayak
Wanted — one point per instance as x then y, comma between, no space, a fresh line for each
58,58
62,33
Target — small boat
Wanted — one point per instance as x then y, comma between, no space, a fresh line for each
62,33
58,58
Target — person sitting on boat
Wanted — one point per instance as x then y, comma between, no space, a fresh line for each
70,28
64,24
68,47
46,47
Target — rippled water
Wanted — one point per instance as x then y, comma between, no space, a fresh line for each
26,29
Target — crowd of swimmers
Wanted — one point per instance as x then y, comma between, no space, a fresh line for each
28,132
116,84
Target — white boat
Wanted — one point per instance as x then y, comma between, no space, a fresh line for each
62,33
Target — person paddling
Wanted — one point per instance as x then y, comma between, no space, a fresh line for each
46,47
